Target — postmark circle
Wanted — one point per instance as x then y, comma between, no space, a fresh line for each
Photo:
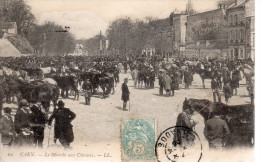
177,144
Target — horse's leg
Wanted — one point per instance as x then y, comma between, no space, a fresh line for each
67,92
104,91
62,93
214,96
203,83
77,93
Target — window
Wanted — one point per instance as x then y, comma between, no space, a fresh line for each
231,53
207,20
235,19
241,18
232,35
237,35
242,35
231,19
241,53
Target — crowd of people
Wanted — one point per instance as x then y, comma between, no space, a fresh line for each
28,126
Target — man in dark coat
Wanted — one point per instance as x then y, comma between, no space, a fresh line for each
160,78
7,127
22,125
227,91
215,89
235,79
125,67
87,87
125,93
184,126
216,130
22,116
187,78
63,127
38,120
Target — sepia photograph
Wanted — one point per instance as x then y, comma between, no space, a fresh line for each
127,80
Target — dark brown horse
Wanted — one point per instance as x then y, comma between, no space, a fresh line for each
240,118
105,81
66,83
33,92
204,73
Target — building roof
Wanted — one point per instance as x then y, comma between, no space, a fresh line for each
239,3
206,12
7,49
21,43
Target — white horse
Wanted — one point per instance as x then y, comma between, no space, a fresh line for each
199,129
248,72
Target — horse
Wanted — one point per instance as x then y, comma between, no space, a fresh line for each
33,72
206,74
143,78
248,72
105,81
47,71
33,92
239,118
65,83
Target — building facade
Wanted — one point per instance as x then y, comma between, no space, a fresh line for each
160,39
179,32
250,29
241,29
206,34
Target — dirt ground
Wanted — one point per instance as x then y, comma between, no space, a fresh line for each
97,127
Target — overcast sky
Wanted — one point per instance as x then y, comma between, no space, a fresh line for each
87,17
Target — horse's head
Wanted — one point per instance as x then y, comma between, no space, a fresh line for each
187,104
204,107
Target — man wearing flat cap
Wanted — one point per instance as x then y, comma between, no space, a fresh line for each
125,93
62,127
7,127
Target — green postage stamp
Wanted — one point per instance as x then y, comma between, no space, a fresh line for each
138,137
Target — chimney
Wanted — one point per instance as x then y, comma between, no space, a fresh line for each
207,43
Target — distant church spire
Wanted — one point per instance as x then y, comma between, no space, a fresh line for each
189,8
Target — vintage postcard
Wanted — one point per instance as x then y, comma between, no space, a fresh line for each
127,80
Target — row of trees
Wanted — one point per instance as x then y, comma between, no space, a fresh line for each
127,36
49,38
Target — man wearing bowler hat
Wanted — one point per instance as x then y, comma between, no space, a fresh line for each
63,127
125,93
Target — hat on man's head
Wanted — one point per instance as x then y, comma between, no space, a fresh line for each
61,103
23,102
7,110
